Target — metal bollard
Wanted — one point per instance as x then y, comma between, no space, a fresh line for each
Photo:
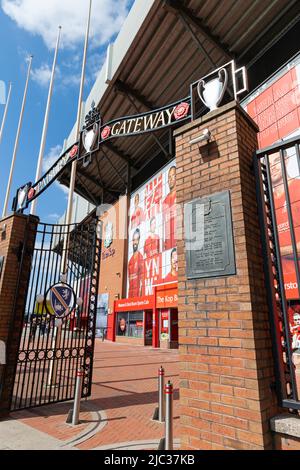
77,399
161,401
169,417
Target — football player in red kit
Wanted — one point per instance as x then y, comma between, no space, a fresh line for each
138,215
169,209
173,274
136,268
152,244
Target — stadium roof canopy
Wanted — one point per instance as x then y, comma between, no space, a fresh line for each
161,49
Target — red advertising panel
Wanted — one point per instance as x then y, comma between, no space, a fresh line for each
167,298
152,253
275,107
140,303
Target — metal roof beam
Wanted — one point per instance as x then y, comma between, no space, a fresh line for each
131,94
119,153
114,167
197,41
82,191
122,87
96,182
190,17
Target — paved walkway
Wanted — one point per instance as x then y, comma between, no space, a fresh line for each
118,414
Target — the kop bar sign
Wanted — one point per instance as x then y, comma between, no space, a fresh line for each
206,95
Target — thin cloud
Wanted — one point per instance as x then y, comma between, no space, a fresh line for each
51,157
43,18
42,75
54,216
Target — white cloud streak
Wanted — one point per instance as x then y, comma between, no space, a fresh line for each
51,157
43,18
42,75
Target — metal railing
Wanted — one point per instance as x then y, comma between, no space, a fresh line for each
277,170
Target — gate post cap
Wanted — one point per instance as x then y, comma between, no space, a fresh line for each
169,388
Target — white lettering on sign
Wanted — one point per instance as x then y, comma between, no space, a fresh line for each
144,123
290,285
52,174
138,303
167,299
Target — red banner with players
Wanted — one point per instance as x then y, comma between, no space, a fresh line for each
276,110
152,252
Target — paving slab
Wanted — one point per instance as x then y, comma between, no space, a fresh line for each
119,412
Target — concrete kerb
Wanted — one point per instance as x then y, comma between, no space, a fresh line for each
151,444
20,436
98,416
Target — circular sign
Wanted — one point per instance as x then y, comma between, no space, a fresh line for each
73,151
106,132
181,110
31,193
62,300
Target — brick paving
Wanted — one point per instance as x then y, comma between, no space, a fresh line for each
124,391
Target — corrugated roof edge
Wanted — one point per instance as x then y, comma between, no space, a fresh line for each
130,28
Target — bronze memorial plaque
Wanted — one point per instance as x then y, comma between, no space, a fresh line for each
209,237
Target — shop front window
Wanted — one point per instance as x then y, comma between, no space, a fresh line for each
130,324
136,324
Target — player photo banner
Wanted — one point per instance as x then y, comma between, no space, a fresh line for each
152,252
275,107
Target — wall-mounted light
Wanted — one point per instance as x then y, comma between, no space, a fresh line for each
205,136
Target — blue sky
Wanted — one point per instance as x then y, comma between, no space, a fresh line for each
30,27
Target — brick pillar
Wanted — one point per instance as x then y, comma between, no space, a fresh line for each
17,237
224,334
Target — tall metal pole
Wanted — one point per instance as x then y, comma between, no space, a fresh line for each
5,112
17,141
46,120
64,259
74,163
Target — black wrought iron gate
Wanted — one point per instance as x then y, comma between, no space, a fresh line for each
277,171
51,349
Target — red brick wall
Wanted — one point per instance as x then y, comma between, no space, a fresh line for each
14,280
225,346
112,271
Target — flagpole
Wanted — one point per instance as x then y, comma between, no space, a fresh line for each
78,122
4,213
5,112
46,120
64,257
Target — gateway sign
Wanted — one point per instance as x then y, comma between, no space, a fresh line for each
29,192
208,91
147,122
